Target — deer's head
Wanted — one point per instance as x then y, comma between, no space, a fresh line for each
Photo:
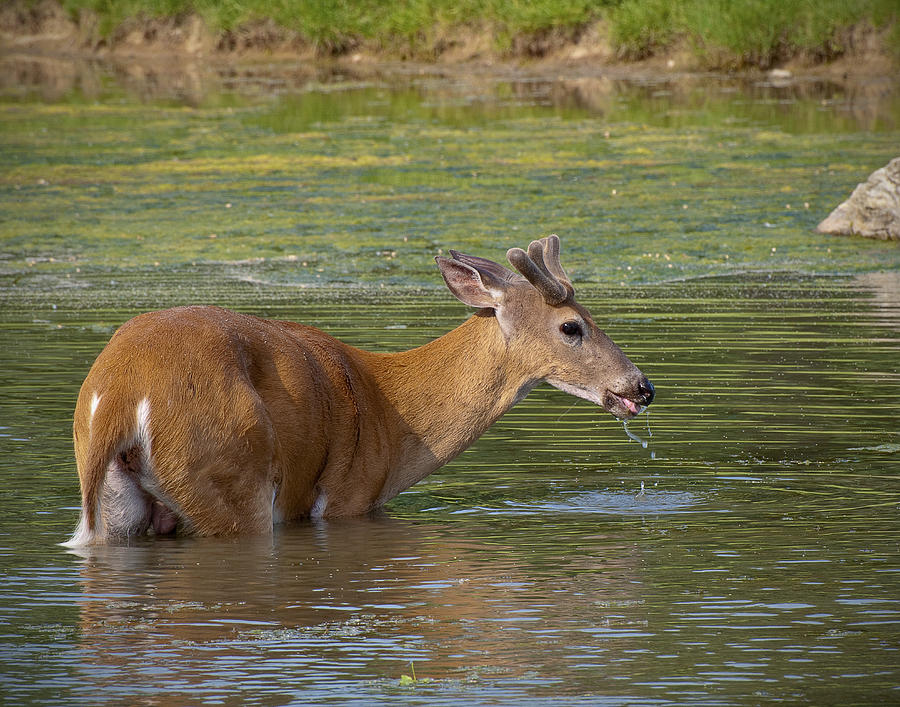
545,329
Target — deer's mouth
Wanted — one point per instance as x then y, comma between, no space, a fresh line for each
621,406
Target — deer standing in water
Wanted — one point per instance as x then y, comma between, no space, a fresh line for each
212,422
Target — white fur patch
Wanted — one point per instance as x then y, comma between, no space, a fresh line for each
317,512
142,432
126,505
95,403
578,391
276,513
82,536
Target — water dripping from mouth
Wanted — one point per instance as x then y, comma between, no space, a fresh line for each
640,440
632,435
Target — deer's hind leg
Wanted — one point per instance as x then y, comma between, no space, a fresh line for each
127,507
222,478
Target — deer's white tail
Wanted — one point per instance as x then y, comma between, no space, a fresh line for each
116,444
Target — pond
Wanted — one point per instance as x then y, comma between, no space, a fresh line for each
748,553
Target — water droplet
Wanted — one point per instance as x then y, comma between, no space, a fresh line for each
632,435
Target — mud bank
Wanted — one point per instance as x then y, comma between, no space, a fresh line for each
46,28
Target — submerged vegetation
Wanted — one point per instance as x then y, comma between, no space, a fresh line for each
714,33
367,184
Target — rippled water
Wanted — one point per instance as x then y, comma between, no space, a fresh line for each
747,555
759,563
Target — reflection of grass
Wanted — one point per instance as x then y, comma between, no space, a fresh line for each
637,197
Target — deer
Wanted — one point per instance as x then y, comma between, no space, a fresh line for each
201,420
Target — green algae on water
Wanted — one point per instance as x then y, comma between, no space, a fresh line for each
367,184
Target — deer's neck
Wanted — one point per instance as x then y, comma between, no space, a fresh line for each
448,392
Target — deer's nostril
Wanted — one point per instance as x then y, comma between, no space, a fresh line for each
647,391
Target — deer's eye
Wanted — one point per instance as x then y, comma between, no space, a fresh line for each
571,329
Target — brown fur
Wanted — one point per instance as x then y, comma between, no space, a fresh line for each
252,420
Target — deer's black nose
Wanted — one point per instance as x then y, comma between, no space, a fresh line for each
646,391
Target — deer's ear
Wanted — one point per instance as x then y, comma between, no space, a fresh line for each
470,286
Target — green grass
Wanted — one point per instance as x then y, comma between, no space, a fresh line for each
720,33
727,34
335,25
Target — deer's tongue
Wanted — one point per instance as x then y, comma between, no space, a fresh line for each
631,405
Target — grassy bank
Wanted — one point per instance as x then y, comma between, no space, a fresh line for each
762,33
419,26
713,33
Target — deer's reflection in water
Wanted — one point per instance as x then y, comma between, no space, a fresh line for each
364,595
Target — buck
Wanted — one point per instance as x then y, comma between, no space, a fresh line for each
206,421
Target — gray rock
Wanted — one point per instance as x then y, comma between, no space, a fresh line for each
873,209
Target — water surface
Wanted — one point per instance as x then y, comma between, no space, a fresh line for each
748,554
758,562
